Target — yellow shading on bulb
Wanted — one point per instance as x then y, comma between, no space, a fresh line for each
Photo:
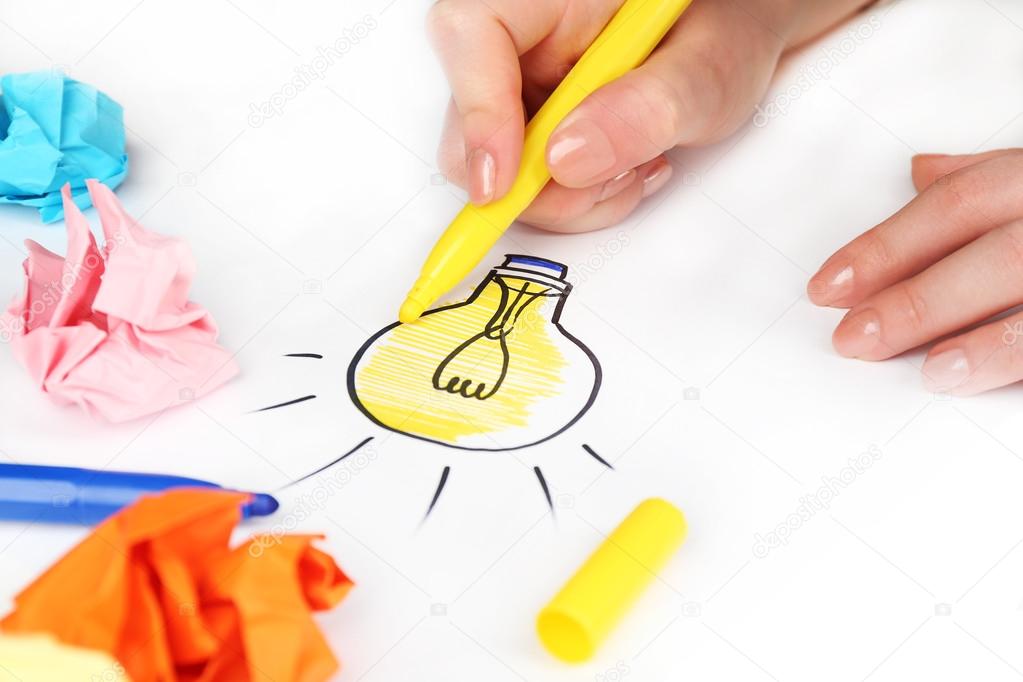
472,373
393,389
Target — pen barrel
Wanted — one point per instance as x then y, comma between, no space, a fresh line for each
48,494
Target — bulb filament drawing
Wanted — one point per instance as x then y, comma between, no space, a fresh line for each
492,339
497,371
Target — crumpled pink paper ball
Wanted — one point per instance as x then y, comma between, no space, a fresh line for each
113,330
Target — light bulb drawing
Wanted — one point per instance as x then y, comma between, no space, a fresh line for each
495,372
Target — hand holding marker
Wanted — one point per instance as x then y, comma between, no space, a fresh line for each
638,91
624,43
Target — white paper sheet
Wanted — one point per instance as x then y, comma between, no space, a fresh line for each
720,390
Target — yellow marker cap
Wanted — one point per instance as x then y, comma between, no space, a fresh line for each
592,602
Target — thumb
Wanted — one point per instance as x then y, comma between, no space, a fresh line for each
695,88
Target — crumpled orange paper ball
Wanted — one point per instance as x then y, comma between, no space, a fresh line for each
158,587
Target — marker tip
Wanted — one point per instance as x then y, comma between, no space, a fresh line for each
410,310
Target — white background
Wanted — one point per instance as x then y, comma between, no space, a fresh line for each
309,227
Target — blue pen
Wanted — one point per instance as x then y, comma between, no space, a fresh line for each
85,496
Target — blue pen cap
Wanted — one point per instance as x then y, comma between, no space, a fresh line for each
540,266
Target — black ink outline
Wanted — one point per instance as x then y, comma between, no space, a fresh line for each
285,403
461,386
327,466
440,488
594,455
497,329
457,384
316,356
555,320
543,486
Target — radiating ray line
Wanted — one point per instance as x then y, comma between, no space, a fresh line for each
327,466
304,355
440,488
543,485
285,404
597,457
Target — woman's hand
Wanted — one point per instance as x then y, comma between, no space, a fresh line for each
951,258
504,57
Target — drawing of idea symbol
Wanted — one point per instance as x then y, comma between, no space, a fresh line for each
494,372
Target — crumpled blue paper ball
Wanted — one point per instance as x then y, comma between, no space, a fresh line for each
56,130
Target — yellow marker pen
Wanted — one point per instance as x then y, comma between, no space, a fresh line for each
627,40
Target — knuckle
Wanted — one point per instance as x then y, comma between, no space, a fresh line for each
877,254
717,71
710,84
912,305
446,20
660,109
1011,248
960,191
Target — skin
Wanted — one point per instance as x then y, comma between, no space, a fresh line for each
951,258
503,58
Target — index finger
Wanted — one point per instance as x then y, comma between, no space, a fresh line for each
479,43
945,216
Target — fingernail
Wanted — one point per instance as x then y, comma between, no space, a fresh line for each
831,283
580,152
617,184
857,334
482,176
656,177
946,370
